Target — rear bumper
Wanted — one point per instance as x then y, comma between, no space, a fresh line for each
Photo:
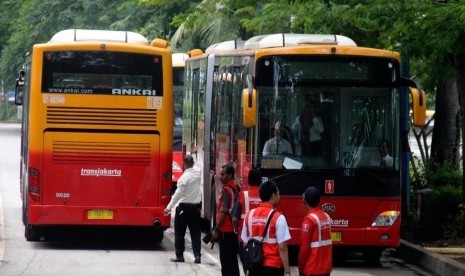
77,215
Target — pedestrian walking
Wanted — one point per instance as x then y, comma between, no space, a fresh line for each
274,246
188,211
247,201
224,231
315,255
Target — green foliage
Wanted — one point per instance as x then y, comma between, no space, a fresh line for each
436,194
440,212
25,23
434,176
443,175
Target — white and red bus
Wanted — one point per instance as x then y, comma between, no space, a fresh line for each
97,132
236,97
178,89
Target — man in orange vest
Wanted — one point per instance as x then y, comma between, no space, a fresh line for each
275,252
315,255
248,200
224,231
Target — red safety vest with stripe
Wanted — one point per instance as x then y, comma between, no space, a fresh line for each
255,222
248,200
315,257
232,189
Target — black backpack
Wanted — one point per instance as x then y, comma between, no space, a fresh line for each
253,251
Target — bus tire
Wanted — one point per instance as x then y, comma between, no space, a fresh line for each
31,233
24,215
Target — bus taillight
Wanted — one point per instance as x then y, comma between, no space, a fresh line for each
34,184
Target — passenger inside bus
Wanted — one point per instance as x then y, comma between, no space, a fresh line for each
277,145
308,128
384,160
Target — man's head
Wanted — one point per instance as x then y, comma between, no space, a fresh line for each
277,134
188,162
384,148
255,177
227,174
269,192
310,110
312,196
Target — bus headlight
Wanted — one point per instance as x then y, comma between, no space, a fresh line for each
386,218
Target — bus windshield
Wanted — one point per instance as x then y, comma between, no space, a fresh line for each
88,72
322,112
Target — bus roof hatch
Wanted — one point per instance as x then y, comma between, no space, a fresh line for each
73,35
282,40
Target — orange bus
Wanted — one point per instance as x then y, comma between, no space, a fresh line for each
235,100
97,132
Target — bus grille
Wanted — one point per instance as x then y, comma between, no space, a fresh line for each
101,116
124,153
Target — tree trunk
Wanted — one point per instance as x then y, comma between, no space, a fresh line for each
460,70
446,134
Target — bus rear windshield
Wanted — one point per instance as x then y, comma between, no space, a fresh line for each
303,70
95,72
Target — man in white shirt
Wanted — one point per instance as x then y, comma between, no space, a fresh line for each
188,196
386,159
308,127
277,145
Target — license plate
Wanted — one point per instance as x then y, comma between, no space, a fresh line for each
99,214
336,236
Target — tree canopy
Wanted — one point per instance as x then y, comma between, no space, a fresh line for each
430,31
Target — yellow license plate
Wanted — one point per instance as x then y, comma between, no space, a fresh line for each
336,236
99,214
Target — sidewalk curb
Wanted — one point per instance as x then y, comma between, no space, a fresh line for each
426,259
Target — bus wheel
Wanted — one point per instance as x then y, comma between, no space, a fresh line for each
24,217
31,233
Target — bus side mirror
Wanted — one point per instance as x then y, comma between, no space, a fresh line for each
418,106
249,103
249,107
19,89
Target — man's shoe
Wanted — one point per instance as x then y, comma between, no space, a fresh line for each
197,260
177,260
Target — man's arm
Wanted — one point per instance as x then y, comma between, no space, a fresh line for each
266,148
283,253
224,210
181,186
236,216
283,235
318,124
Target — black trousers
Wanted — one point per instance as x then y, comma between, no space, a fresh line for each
187,215
228,253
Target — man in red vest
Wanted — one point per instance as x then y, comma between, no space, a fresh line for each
248,200
224,231
275,252
315,255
